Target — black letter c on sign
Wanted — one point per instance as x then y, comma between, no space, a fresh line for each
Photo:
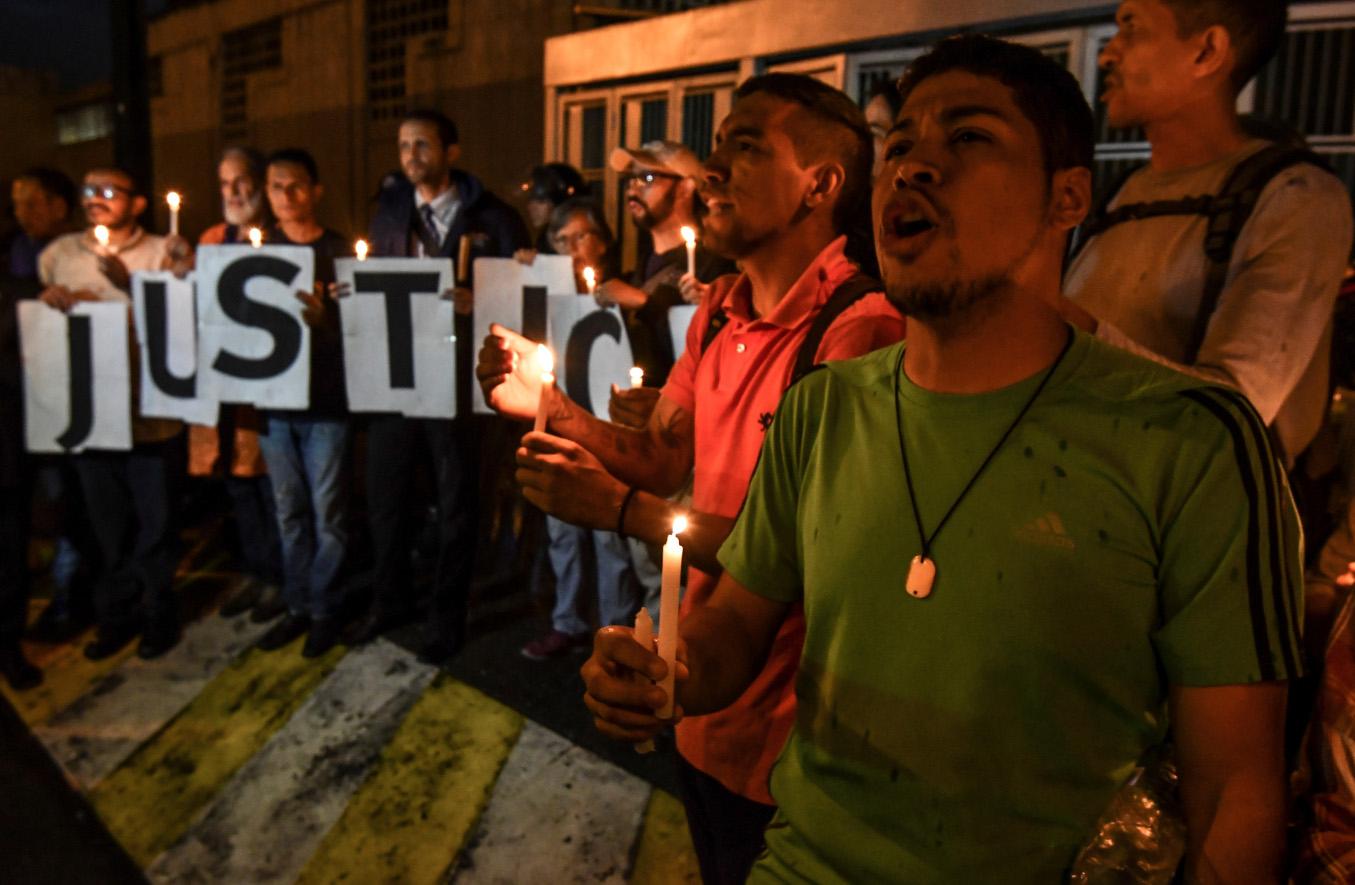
284,328
580,348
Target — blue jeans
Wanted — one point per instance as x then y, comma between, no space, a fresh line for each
618,586
306,458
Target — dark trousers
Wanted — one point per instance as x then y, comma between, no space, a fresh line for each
394,445
14,585
256,526
726,828
131,497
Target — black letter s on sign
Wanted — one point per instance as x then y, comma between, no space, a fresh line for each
284,328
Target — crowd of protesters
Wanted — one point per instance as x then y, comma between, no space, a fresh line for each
991,485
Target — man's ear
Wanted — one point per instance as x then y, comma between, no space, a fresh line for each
828,181
453,154
319,192
138,205
1070,197
1214,55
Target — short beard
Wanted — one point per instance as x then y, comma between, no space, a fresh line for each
941,301
251,212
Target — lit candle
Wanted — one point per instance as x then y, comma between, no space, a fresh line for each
590,279
101,236
172,198
255,237
360,250
637,376
668,610
545,362
463,260
644,634
689,237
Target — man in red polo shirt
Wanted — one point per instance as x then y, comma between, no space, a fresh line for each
791,168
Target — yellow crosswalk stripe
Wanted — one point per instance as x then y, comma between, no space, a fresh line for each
67,675
151,800
665,855
410,819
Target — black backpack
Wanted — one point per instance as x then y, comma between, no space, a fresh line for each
850,291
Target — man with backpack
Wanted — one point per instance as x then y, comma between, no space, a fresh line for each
1222,256
790,172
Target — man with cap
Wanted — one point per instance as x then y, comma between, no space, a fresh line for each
659,180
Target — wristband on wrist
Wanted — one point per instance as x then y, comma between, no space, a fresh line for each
621,515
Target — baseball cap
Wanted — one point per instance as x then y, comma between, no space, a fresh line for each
672,157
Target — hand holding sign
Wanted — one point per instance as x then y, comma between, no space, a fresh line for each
507,373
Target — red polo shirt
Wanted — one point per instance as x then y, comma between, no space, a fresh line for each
732,390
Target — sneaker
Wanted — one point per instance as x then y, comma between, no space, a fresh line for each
269,604
242,600
109,641
283,632
157,639
18,671
554,644
323,635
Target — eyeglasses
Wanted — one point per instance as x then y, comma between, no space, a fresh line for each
646,179
104,191
563,243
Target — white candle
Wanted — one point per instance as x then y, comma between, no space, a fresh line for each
545,362
360,250
255,237
644,634
689,236
101,236
590,279
637,376
668,610
172,198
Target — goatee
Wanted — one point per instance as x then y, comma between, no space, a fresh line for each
938,301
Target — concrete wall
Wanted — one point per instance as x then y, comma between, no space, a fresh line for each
485,71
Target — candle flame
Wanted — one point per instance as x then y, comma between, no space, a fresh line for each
172,198
688,235
679,525
360,249
255,237
545,360
101,234
637,376
590,277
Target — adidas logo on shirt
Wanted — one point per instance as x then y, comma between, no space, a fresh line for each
1047,531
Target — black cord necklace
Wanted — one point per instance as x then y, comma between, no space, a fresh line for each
922,570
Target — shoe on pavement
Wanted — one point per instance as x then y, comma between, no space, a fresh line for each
109,641
323,635
374,624
158,639
59,624
441,646
283,632
18,671
269,604
554,644
242,600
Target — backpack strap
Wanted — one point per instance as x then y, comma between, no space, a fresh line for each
1231,209
717,321
850,291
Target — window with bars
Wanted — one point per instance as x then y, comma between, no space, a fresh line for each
592,155
653,120
390,26
698,122
243,52
88,122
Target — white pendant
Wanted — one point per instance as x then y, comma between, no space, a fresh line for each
921,576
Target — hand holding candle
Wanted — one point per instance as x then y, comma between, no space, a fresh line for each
644,634
689,237
545,361
172,198
360,250
255,237
668,610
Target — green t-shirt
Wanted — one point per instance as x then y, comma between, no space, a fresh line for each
1134,531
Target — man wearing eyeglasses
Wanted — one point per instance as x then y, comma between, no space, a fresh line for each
659,181
130,495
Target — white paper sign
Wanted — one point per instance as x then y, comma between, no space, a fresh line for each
592,350
513,294
253,346
398,350
166,336
77,377
679,321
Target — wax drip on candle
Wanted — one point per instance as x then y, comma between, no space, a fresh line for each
360,250
255,237
669,588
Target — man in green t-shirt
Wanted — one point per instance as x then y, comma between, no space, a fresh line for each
1021,552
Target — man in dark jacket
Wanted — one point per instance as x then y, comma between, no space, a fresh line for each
429,215
14,494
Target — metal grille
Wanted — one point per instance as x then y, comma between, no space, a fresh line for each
1308,83
653,120
255,48
594,138
390,25
698,122
869,77
88,122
